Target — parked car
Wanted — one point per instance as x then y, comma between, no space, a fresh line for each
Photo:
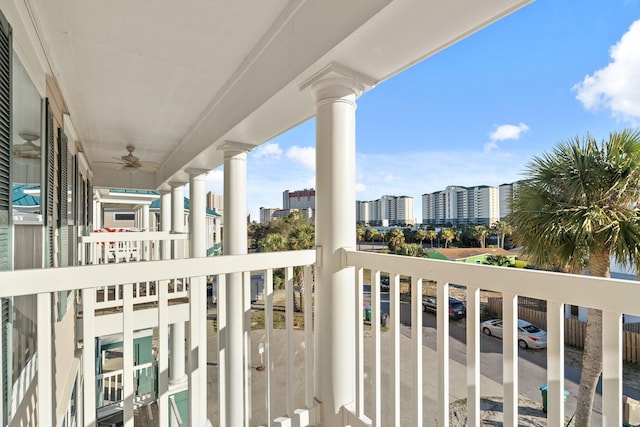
529,335
457,309
384,283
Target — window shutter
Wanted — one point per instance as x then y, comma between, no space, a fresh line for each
63,200
63,216
6,362
49,187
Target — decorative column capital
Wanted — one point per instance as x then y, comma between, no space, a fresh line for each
176,184
337,81
233,148
194,172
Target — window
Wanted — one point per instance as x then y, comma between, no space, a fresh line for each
124,216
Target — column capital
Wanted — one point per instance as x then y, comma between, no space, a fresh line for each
337,81
176,184
193,172
233,148
164,190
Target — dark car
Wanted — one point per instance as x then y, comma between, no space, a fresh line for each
384,283
457,309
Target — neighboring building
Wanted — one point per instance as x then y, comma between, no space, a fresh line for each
470,255
385,211
457,205
215,202
507,192
300,199
303,201
269,214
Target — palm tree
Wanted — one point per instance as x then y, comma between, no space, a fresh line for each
432,235
372,234
421,235
396,239
360,233
448,235
481,233
577,209
302,237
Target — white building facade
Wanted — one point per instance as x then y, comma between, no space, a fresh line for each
458,205
387,210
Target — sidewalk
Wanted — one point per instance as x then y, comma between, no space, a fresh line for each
457,390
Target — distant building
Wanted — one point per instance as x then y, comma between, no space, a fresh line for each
387,210
507,192
300,199
303,201
215,202
269,214
457,205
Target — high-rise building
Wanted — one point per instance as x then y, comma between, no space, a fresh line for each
387,210
299,199
215,201
456,205
507,191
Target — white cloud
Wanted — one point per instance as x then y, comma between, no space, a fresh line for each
617,86
504,133
360,187
303,155
272,151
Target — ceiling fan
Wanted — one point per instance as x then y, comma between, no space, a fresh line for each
27,150
132,163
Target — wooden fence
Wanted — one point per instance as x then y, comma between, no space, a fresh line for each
574,329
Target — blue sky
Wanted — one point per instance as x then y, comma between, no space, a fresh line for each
476,113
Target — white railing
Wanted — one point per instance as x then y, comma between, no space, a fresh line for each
117,247
111,385
125,246
282,359
614,297
278,408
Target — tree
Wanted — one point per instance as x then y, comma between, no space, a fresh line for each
577,208
360,233
432,235
481,233
448,235
372,234
421,235
396,239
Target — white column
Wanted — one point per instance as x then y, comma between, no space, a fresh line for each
335,90
235,243
163,314
97,215
197,301
177,371
45,357
165,222
144,224
145,217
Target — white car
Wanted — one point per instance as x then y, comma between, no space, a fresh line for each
529,335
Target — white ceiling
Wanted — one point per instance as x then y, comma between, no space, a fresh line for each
178,78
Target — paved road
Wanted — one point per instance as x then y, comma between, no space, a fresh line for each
532,364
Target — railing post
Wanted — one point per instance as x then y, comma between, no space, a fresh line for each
335,89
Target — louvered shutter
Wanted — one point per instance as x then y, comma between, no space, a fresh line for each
49,187
6,362
63,216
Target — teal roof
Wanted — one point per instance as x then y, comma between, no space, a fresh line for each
20,198
156,205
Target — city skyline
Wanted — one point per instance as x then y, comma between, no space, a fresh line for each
480,110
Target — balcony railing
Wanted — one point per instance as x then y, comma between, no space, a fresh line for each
283,403
613,297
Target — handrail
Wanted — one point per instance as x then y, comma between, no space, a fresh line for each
34,281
